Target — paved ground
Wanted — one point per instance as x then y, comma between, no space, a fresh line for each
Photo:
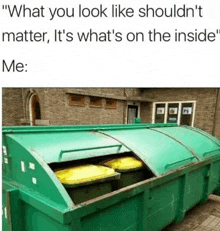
205,217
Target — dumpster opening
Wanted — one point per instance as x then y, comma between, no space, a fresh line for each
124,176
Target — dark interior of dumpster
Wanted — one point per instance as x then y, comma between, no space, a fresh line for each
88,191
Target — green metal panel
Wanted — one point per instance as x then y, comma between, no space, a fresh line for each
150,205
160,152
38,221
204,133
40,179
162,200
60,146
198,142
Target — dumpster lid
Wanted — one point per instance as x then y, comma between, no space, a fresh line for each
161,147
66,146
201,143
160,152
65,143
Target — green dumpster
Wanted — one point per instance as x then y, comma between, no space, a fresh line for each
184,163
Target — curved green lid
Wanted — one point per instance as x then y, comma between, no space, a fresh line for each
160,152
201,143
162,147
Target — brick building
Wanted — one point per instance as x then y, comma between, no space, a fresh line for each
199,107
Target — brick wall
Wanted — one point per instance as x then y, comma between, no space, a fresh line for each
54,103
55,108
146,112
60,112
12,106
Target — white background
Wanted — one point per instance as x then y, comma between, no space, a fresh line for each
113,64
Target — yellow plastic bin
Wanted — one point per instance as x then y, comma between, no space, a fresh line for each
132,170
86,182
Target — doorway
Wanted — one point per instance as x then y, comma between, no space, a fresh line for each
132,113
35,109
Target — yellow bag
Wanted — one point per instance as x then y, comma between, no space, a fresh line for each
124,163
83,173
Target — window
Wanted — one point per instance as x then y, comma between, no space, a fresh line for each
160,112
77,100
35,109
95,101
174,112
110,103
186,113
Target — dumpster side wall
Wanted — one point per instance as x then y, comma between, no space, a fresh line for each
36,220
146,206
152,206
28,169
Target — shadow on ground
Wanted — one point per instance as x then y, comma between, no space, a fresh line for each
200,217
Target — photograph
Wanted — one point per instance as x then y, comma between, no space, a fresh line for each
173,110
97,158
160,110
187,110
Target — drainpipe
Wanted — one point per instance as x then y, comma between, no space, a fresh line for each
124,107
216,108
